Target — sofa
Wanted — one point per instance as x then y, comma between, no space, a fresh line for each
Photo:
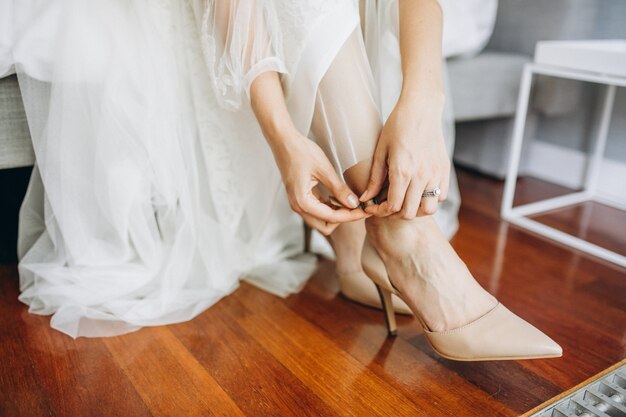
15,152
15,147
485,87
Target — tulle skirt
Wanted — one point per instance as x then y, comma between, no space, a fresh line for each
149,202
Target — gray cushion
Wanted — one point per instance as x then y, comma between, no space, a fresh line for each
521,24
15,145
486,86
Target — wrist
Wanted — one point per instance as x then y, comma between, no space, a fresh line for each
279,132
283,142
419,96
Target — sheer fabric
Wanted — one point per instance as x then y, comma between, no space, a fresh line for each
149,202
241,39
346,121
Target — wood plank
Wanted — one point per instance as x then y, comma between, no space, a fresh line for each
252,377
334,375
21,391
79,376
167,377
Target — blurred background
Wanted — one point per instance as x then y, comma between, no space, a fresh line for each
563,113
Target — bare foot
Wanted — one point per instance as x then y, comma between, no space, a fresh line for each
428,273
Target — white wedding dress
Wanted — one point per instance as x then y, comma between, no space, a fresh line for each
154,191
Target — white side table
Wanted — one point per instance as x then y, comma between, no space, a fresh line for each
601,62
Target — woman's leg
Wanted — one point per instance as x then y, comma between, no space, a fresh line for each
346,127
420,261
346,121
346,124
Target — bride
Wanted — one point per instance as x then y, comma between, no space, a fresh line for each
153,192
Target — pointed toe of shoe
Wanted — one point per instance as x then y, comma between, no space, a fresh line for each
498,335
530,342
549,348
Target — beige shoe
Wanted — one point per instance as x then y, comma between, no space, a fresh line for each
358,287
497,335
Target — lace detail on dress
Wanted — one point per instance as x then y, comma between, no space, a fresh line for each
214,129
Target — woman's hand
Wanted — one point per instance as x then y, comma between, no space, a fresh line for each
411,154
303,165
410,151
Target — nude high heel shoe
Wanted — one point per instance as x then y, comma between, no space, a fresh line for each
497,335
358,287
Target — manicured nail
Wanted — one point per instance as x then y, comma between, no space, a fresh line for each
354,202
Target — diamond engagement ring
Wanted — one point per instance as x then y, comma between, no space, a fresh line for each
435,192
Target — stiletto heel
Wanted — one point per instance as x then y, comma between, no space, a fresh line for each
390,317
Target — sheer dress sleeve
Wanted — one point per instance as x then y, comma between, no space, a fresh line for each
241,39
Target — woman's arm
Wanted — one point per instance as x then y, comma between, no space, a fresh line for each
242,39
302,163
411,153
421,26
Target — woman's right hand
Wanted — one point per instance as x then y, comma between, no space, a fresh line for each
303,166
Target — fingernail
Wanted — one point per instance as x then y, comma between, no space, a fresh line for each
354,202
363,195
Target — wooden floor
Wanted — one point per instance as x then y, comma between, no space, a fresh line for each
317,354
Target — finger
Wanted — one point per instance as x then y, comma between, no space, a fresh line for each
412,200
323,212
333,203
398,184
378,173
429,205
380,209
338,188
323,227
377,210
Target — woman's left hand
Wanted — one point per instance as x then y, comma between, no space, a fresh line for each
411,154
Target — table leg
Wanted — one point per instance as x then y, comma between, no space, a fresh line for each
595,162
517,141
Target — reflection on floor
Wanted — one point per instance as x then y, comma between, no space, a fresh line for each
317,354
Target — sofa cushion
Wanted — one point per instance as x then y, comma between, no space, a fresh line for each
15,146
486,86
521,24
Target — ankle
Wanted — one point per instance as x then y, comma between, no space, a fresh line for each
389,235
347,243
